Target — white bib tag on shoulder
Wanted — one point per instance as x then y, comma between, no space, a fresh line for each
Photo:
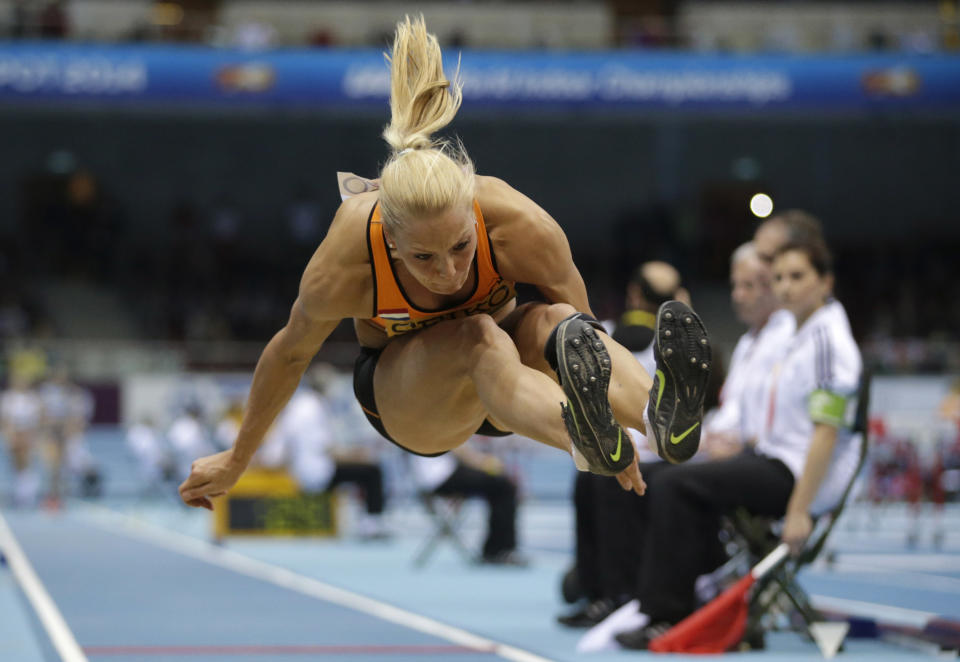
351,184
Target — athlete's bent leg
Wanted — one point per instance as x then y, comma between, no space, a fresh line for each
629,382
435,387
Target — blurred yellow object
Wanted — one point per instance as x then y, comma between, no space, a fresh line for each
268,502
27,363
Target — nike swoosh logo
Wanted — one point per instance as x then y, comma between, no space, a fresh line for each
674,439
616,456
659,373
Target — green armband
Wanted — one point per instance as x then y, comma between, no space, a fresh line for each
826,407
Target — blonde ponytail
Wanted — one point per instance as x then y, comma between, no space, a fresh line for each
423,176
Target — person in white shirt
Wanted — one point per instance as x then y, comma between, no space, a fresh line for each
153,458
20,418
736,422
469,473
189,438
306,439
80,462
804,456
55,400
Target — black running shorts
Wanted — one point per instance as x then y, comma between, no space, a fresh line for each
363,369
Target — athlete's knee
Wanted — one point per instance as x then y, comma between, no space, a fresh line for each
479,332
557,312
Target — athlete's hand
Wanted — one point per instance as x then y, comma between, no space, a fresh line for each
210,476
796,529
630,478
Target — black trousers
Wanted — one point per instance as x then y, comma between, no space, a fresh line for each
683,521
610,530
501,496
367,476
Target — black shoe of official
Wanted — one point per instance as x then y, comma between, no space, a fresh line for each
583,365
640,638
675,409
590,614
507,557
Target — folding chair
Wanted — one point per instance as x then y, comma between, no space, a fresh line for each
446,514
779,594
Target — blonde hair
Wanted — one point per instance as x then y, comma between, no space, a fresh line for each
423,176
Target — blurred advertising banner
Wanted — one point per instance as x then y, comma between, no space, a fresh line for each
347,80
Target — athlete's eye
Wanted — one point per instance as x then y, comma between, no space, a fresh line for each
461,245
422,256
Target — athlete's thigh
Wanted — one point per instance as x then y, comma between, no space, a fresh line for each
424,392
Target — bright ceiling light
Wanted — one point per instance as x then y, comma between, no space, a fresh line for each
761,205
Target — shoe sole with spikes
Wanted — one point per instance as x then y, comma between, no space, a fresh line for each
683,355
584,370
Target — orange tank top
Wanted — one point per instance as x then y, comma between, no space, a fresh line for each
395,314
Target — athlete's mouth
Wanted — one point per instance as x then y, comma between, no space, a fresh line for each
448,287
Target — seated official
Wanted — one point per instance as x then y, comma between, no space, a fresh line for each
804,457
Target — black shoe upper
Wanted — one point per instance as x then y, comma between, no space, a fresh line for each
640,638
590,614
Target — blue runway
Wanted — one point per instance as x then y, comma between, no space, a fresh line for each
137,579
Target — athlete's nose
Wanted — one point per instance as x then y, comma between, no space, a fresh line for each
446,268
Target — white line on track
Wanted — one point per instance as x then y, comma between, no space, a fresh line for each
209,553
51,618
881,613
880,575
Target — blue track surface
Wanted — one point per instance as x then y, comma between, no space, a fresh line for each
136,579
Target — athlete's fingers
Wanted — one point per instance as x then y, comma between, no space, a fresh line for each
639,486
201,502
631,479
195,492
187,486
192,481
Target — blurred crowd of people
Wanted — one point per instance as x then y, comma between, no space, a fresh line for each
44,416
322,441
652,26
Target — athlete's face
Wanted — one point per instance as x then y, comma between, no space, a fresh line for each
439,250
798,286
751,291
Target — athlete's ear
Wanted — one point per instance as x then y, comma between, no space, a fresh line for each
390,242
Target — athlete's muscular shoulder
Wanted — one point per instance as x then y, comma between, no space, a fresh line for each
530,245
338,282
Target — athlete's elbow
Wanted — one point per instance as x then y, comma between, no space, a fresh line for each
283,349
